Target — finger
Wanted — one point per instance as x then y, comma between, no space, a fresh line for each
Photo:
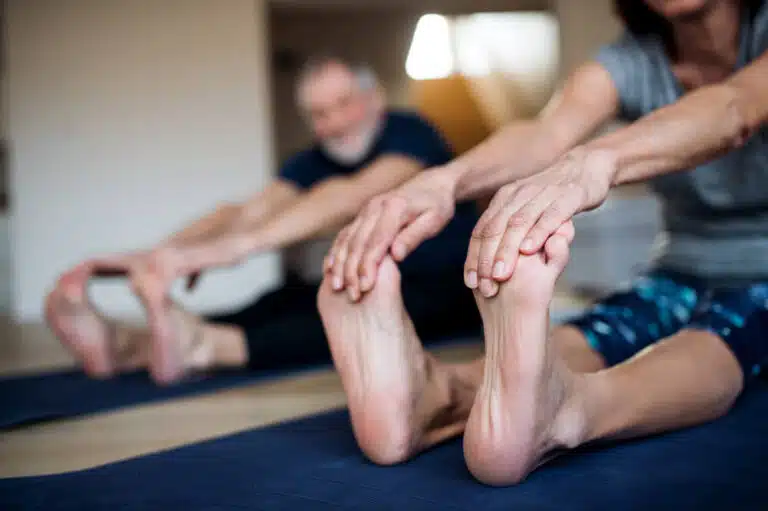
339,256
557,213
498,202
516,227
357,247
414,234
567,230
393,216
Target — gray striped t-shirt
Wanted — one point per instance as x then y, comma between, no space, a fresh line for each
715,215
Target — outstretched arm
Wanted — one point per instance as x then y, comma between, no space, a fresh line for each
587,100
261,207
399,221
324,208
699,127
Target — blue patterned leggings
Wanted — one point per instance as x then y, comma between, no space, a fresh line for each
661,303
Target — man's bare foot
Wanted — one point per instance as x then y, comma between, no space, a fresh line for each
105,347
399,397
528,403
79,326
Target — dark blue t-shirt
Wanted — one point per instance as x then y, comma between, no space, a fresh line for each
406,134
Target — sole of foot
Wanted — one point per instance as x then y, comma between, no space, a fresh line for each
78,325
381,364
527,406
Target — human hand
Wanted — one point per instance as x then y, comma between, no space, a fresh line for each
116,265
523,215
396,222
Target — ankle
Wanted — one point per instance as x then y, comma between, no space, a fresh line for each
228,346
447,398
575,424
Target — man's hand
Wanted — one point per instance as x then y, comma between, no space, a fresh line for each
523,215
396,222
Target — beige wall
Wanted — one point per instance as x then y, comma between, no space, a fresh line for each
585,25
127,119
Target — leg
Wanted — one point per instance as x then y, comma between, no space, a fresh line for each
105,348
532,402
401,400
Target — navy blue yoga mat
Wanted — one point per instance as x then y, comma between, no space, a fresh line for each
314,464
37,398
32,399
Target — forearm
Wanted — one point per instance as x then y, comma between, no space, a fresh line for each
329,205
701,126
325,208
206,227
514,152
260,208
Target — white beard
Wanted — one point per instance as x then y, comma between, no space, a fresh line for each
353,152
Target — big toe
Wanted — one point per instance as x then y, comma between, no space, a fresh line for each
557,252
389,274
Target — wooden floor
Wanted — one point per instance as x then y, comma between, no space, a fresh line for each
73,444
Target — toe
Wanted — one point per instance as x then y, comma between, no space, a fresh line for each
557,252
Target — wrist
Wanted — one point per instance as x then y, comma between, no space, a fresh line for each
451,177
603,162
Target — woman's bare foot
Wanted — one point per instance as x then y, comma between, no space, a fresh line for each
399,397
106,347
528,403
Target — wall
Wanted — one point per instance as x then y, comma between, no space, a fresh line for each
449,104
585,25
5,266
127,119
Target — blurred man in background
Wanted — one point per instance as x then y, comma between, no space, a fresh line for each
362,149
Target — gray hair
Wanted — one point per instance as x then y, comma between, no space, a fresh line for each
364,74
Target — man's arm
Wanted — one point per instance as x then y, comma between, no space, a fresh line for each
327,206
699,127
261,207
588,99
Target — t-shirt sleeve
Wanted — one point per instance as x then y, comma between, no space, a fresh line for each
416,138
302,169
626,62
761,31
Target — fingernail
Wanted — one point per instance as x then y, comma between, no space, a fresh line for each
486,288
472,279
498,269
337,283
527,244
365,282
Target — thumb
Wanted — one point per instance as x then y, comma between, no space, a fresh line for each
417,232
